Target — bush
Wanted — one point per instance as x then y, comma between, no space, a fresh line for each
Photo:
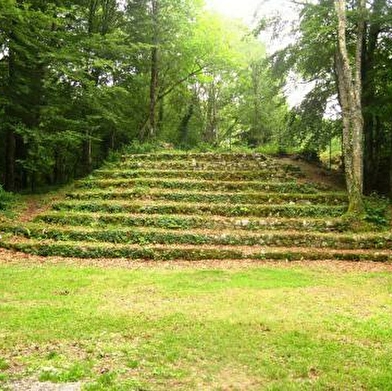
5,198
377,210
137,147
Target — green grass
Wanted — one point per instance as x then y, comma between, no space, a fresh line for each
263,328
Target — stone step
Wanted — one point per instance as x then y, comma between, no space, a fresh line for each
203,165
178,221
331,198
205,157
130,235
220,209
265,174
205,185
187,252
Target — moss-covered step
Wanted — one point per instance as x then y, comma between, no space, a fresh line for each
148,207
330,198
192,164
127,235
205,185
176,222
201,157
265,174
186,252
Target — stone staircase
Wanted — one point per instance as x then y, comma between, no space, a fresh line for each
169,206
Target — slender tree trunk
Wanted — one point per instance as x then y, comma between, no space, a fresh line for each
184,125
154,81
350,94
371,122
256,137
210,134
10,137
87,152
10,154
390,171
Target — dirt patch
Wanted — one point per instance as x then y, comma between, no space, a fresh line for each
317,174
32,385
33,209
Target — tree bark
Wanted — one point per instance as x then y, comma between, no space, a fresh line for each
371,120
154,81
10,154
350,95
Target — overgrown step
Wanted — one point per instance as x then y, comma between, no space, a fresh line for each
205,185
198,157
289,210
331,198
192,164
146,236
187,252
265,174
175,221
172,206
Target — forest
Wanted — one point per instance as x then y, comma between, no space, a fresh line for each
191,201
80,79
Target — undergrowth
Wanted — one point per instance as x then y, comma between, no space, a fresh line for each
5,199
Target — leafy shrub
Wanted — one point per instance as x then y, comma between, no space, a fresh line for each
377,210
137,147
5,198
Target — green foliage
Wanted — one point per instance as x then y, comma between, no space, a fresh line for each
5,199
138,147
378,211
316,122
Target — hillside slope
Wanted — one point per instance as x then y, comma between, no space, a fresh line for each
197,206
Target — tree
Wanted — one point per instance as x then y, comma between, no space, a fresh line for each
349,81
313,56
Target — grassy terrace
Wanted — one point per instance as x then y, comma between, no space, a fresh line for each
197,206
172,272
216,326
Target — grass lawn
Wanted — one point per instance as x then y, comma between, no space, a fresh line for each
263,327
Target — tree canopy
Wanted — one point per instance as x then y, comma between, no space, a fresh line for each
79,79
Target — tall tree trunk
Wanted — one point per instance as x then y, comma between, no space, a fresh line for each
390,171
184,125
154,80
10,157
87,155
350,94
211,132
371,122
255,135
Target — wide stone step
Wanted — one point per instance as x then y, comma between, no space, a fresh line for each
201,165
205,185
148,236
178,221
198,157
265,174
331,198
244,210
188,252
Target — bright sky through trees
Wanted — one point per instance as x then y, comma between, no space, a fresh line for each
244,9
250,11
